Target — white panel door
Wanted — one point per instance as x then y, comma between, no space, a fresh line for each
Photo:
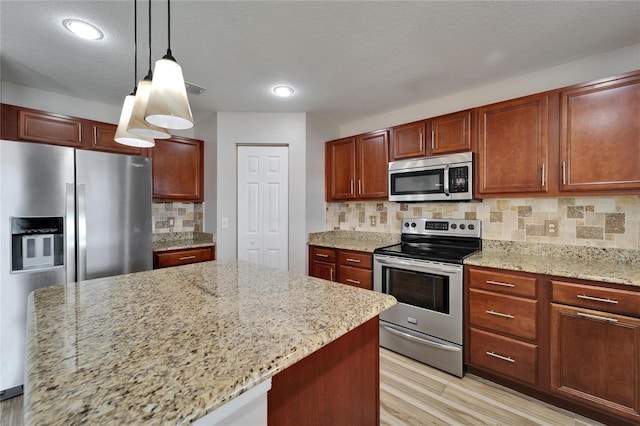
263,205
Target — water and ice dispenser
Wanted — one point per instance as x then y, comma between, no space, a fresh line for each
36,243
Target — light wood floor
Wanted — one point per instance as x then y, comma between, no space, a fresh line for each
415,394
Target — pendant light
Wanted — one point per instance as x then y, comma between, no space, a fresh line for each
168,104
122,136
137,124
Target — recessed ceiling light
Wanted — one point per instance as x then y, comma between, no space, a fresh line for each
283,91
83,29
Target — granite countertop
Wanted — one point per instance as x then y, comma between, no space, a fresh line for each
171,345
619,266
182,240
353,240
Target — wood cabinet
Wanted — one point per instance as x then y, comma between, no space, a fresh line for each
356,168
356,269
344,266
322,263
503,323
164,259
30,125
600,135
178,169
440,135
595,352
102,135
408,141
513,146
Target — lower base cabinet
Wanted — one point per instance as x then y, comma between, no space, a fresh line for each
165,259
349,267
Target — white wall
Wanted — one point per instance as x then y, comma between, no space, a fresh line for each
207,129
591,68
261,128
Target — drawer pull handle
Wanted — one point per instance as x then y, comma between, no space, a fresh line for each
187,258
500,284
353,260
596,299
349,280
322,255
596,317
504,358
498,314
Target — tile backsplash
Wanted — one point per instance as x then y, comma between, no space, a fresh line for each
177,217
583,221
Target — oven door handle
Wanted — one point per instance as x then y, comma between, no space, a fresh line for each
422,341
417,266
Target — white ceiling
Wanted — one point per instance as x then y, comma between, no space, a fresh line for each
346,60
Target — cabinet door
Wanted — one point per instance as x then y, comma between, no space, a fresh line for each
600,135
102,140
183,257
38,126
595,359
450,133
513,144
409,140
324,270
340,169
178,169
357,277
373,165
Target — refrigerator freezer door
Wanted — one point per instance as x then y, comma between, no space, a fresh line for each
113,214
34,182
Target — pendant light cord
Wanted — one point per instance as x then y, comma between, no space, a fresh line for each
149,73
135,45
169,55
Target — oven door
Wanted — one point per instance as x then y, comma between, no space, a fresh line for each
429,295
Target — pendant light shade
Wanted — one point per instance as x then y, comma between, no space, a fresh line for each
137,124
168,103
122,136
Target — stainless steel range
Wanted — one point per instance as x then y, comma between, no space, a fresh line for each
424,273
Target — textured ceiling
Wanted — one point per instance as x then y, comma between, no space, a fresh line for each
346,60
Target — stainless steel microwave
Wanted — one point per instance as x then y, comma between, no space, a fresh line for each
439,178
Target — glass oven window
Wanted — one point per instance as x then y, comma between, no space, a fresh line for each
420,182
419,289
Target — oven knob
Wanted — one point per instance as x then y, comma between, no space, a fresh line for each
406,224
454,226
462,226
471,227
413,224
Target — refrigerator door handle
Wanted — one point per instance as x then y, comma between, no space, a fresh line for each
82,232
70,232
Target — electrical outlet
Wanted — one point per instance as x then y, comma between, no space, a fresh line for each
171,222
372,219
225,222
551,228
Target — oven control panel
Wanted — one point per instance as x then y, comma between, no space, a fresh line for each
453,227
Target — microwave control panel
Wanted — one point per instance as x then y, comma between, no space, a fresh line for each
459,179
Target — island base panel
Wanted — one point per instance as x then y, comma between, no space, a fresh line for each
337,385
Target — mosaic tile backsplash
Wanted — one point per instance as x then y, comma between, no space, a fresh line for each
177,217
583,221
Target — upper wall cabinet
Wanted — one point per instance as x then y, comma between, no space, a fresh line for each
102,135
600,135
178,169
356,167
440,135
513,146
24,124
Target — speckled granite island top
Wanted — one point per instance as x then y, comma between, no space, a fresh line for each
171,345
619,266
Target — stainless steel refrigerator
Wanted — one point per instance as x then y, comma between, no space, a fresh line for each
66,215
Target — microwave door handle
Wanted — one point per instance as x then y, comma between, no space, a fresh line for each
416,266
446,180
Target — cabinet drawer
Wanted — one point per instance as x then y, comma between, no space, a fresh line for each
600,298
505,356
183,257
356,258
356,277
515,284
323,254
502,313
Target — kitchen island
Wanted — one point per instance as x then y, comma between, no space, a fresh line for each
172,345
